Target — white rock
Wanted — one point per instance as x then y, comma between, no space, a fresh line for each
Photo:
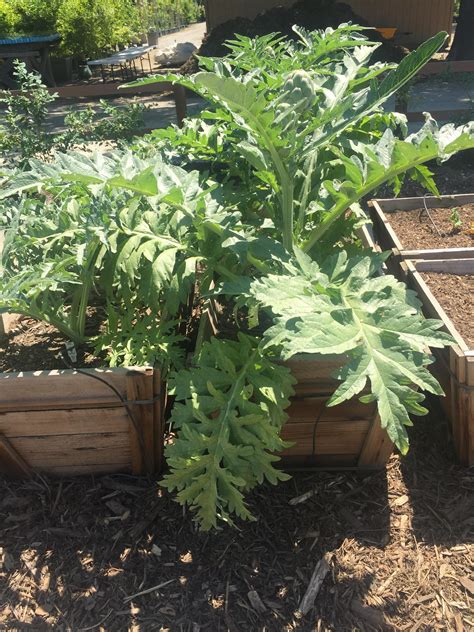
176,54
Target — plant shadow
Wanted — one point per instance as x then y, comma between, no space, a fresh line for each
75,552
440,490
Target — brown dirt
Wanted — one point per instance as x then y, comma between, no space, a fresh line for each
33,346
74,551
311,14
416,232
455,294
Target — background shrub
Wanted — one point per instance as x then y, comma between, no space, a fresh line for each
91,27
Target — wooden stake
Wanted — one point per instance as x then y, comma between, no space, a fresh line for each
12,463
140,387
159,389
180,101
377,446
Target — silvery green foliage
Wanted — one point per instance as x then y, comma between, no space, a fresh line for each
345,308
301,131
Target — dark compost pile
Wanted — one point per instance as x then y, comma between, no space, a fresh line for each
311,14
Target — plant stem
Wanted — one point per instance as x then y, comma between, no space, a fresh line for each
342,206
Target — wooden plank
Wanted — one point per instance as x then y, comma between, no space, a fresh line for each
387,205
439,253
11,462
309,410
58,390
431,307
331,462
159,390
64,422
140,387
326,437
377,446
470,411
446,266
98,90
42,453
459,419
385,235
86,470
311,368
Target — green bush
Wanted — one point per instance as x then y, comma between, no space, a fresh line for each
166,14
90,27
87,27
24,133
9,19
35,16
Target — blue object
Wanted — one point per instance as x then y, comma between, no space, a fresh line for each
30,39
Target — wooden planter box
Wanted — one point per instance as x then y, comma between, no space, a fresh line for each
88,422
454,366
69,422
344,436
386,232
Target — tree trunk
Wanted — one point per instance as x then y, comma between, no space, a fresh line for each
463,44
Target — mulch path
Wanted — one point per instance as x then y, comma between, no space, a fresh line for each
417,230
455,293
75,552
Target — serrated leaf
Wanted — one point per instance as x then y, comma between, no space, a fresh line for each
363,317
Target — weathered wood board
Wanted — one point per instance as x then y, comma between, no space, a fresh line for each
347,435
386,232
69,422
454,366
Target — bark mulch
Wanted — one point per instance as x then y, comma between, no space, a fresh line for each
116,553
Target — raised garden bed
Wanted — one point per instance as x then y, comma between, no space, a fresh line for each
436,259
348,435
412,231
91,421
446,289
345,436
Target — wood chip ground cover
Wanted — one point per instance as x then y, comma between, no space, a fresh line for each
74,553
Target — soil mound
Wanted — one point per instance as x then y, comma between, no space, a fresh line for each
311,14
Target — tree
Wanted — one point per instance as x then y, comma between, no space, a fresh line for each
463,43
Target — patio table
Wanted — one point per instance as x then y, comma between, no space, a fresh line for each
34,49
123,59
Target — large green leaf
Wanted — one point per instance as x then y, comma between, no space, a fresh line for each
370,166
228,422
344,308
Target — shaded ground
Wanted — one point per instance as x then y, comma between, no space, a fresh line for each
74,552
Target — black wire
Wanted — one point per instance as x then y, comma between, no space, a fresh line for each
126,403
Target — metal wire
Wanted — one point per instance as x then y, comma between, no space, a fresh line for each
425,210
